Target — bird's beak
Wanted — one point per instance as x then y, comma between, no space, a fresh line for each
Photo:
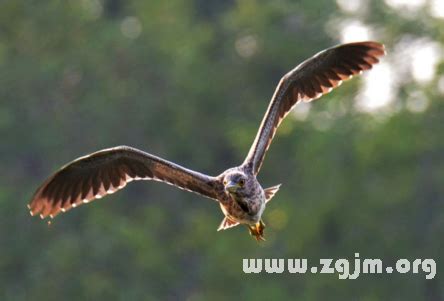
232,187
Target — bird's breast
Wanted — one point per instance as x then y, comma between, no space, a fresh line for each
246,210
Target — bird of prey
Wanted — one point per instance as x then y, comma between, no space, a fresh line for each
238,192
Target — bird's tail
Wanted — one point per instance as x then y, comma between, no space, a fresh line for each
226,224
270,192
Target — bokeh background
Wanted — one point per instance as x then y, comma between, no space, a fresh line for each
362,168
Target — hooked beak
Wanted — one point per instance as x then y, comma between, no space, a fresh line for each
232,187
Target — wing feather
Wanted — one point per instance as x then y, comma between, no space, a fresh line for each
106,171
308,81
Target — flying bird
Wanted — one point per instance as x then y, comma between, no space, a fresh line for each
237,190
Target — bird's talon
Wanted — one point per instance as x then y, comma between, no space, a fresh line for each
257,231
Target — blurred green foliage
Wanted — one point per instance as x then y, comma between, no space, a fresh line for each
190,81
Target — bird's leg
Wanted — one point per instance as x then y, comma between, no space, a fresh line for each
257,230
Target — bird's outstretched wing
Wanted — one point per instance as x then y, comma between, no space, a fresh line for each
308,81
106,171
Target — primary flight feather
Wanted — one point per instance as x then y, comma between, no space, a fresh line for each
239,194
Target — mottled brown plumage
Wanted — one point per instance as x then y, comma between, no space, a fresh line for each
241,197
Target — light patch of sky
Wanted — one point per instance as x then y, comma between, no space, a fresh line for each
352,30
406,8
416,59
378,90
406,4
436,8
424,60
355,6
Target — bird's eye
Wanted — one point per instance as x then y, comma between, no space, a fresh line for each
241,182
225,182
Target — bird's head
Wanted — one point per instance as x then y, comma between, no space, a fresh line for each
236,182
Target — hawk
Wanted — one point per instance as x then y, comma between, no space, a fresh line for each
237,190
